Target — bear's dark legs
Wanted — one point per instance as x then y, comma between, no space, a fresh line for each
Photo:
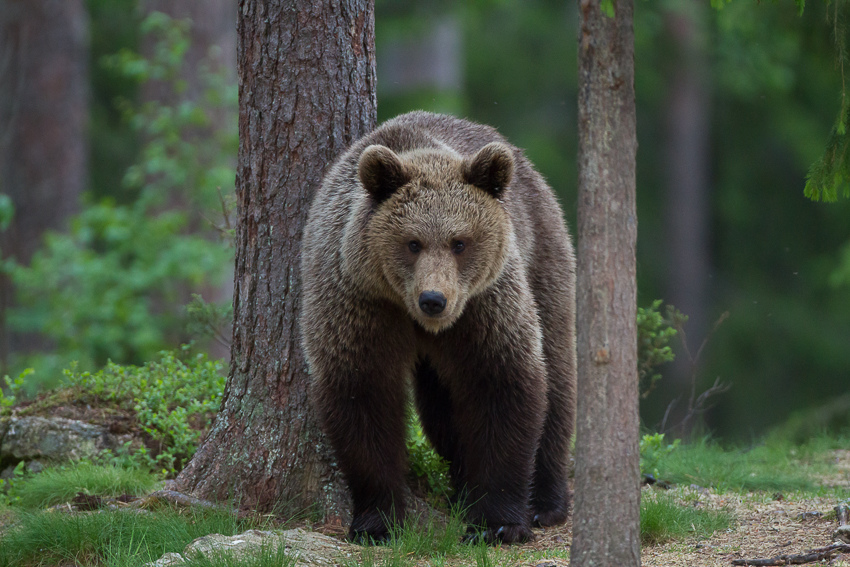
550,500
366,429
554,289
361,395
499,403
498,442
434,405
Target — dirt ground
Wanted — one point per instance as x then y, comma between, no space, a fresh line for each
766,526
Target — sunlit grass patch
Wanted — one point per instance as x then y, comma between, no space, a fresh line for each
663,519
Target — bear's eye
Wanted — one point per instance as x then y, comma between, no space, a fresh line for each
414,246
458,246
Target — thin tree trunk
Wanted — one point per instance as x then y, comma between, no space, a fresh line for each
606,521
687,170
306,91
43,120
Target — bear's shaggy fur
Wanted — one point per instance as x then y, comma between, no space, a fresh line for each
435,254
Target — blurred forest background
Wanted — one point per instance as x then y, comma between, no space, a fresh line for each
118,137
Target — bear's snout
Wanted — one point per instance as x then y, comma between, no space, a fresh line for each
432,302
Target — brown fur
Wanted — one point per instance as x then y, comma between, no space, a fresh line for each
494,372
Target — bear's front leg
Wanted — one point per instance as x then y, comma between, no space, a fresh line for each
498,384
360,392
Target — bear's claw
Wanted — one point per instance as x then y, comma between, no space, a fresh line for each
508,533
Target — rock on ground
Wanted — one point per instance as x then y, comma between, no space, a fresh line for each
309,548
54,439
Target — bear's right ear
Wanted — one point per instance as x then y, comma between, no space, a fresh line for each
381,172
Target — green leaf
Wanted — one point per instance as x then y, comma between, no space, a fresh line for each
7,211
607,7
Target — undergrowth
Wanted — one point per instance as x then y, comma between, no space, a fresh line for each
173,399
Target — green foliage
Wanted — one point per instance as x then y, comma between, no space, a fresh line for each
7,211
58,485
209,319
652,449
425,463
9,487
173,399
14,387
832,170
663,519
654,335
112,287
191,144
109,288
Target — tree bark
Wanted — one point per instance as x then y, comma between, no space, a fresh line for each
43,120
607,504
306,91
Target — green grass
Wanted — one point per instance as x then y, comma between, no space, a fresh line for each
112,538
33,537
663,519
58,485
773,467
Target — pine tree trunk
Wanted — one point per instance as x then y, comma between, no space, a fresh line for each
606,518
306,91
44,54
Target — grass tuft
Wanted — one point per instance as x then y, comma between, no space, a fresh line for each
59,485
663,519
108,537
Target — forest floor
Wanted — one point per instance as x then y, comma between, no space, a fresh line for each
764,526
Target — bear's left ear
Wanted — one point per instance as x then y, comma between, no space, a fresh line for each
381,171
491,169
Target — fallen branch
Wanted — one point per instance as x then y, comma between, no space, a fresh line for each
810,556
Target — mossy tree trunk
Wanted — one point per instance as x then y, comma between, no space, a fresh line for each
306,91
606,519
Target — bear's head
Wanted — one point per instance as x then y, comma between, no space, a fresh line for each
438,232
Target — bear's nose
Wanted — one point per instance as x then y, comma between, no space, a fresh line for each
432,302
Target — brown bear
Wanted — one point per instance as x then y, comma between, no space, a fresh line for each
435,254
